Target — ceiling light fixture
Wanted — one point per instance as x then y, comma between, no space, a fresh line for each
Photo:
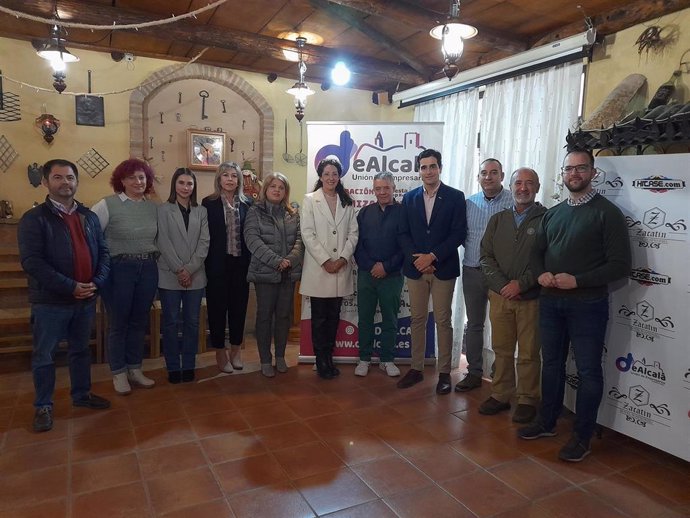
340,74
452,33
54,51
300,91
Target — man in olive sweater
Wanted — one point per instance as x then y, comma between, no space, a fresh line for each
581,247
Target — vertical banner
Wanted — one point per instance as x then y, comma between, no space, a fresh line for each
647,351
365,149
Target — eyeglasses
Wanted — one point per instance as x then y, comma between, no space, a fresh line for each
580,168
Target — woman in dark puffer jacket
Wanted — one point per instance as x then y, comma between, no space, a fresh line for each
272,234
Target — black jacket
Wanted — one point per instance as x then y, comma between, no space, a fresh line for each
45,250
217,250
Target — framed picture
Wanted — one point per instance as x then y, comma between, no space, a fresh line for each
205,149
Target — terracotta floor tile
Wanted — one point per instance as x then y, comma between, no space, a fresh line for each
485,451
527,511
447,427
440,462
390,475
488,422
277,501
631,498
104,473
38,456
375,508
455,402
215,509
483,494
155,435
156,412
377,416
8,398
334,490
615,455
203,405
675,484
22,435
216,424
232,446
294,390
426,501
129,500
355,399
307,459
102,422
6,416
314,406
358,446
418,409
52,509
575,503
250,473
285,435
253,398
183,489
530,478
576,472
334,424
89,447
268,415
508,437
170,459
196,390
21,490
405,436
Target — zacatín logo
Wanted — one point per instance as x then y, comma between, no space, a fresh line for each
658,183
637,406
648,277
608,184
651,371
645,321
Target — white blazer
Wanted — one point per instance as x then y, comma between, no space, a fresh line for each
327,238
180,247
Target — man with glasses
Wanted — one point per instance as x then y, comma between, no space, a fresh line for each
581,247
492,199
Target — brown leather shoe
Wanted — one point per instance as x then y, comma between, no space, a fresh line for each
469,382
493,406
524,414
412,377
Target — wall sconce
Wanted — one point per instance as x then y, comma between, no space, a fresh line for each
48,125
452,33
300,91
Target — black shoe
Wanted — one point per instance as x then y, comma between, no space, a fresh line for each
575,450
493,406
412,377
524,414
335,371
174,377
43,419
188,375
92,401
469,382
535,430
322,368
443,386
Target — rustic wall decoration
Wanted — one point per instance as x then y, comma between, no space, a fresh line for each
7,154
92,162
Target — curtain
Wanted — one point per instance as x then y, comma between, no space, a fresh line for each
525,119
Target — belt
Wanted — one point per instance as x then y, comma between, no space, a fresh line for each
137,257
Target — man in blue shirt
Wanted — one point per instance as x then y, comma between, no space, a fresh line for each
491,199
379,281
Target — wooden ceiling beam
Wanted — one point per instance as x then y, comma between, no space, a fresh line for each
425,19
210,36
614,21
350,16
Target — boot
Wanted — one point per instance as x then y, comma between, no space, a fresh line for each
331,366
322,367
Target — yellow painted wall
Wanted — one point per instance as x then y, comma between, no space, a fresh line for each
618,58
19,61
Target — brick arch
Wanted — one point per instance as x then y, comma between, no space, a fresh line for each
139,99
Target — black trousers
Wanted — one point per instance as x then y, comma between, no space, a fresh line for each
226,300
325,316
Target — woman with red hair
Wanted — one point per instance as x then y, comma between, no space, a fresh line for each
129,222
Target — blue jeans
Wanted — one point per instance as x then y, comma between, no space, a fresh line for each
51,323
188,317
128,295
582,324
385,293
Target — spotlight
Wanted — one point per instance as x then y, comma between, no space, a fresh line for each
340,74
271,77
326,85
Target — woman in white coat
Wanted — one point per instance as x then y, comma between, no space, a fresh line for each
183,241
329,232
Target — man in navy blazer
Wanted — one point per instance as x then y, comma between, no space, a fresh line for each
434,225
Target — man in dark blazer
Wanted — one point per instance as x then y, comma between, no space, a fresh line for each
434,225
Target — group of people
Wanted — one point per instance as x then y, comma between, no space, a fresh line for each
542,273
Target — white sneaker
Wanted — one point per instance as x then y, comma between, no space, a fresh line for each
121,384
390,369
137,377
362,368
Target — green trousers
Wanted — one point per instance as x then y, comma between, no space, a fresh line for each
386,294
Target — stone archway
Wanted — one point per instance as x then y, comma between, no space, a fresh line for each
138,104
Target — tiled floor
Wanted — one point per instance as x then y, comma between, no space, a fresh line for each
294,446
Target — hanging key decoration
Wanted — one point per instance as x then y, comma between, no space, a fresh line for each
204,95
179,97
243,123
253,145
232,145
151,142
222,101
178,117
161,113
162,156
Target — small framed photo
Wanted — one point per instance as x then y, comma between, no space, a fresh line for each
205,149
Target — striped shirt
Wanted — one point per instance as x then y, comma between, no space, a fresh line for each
479,211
